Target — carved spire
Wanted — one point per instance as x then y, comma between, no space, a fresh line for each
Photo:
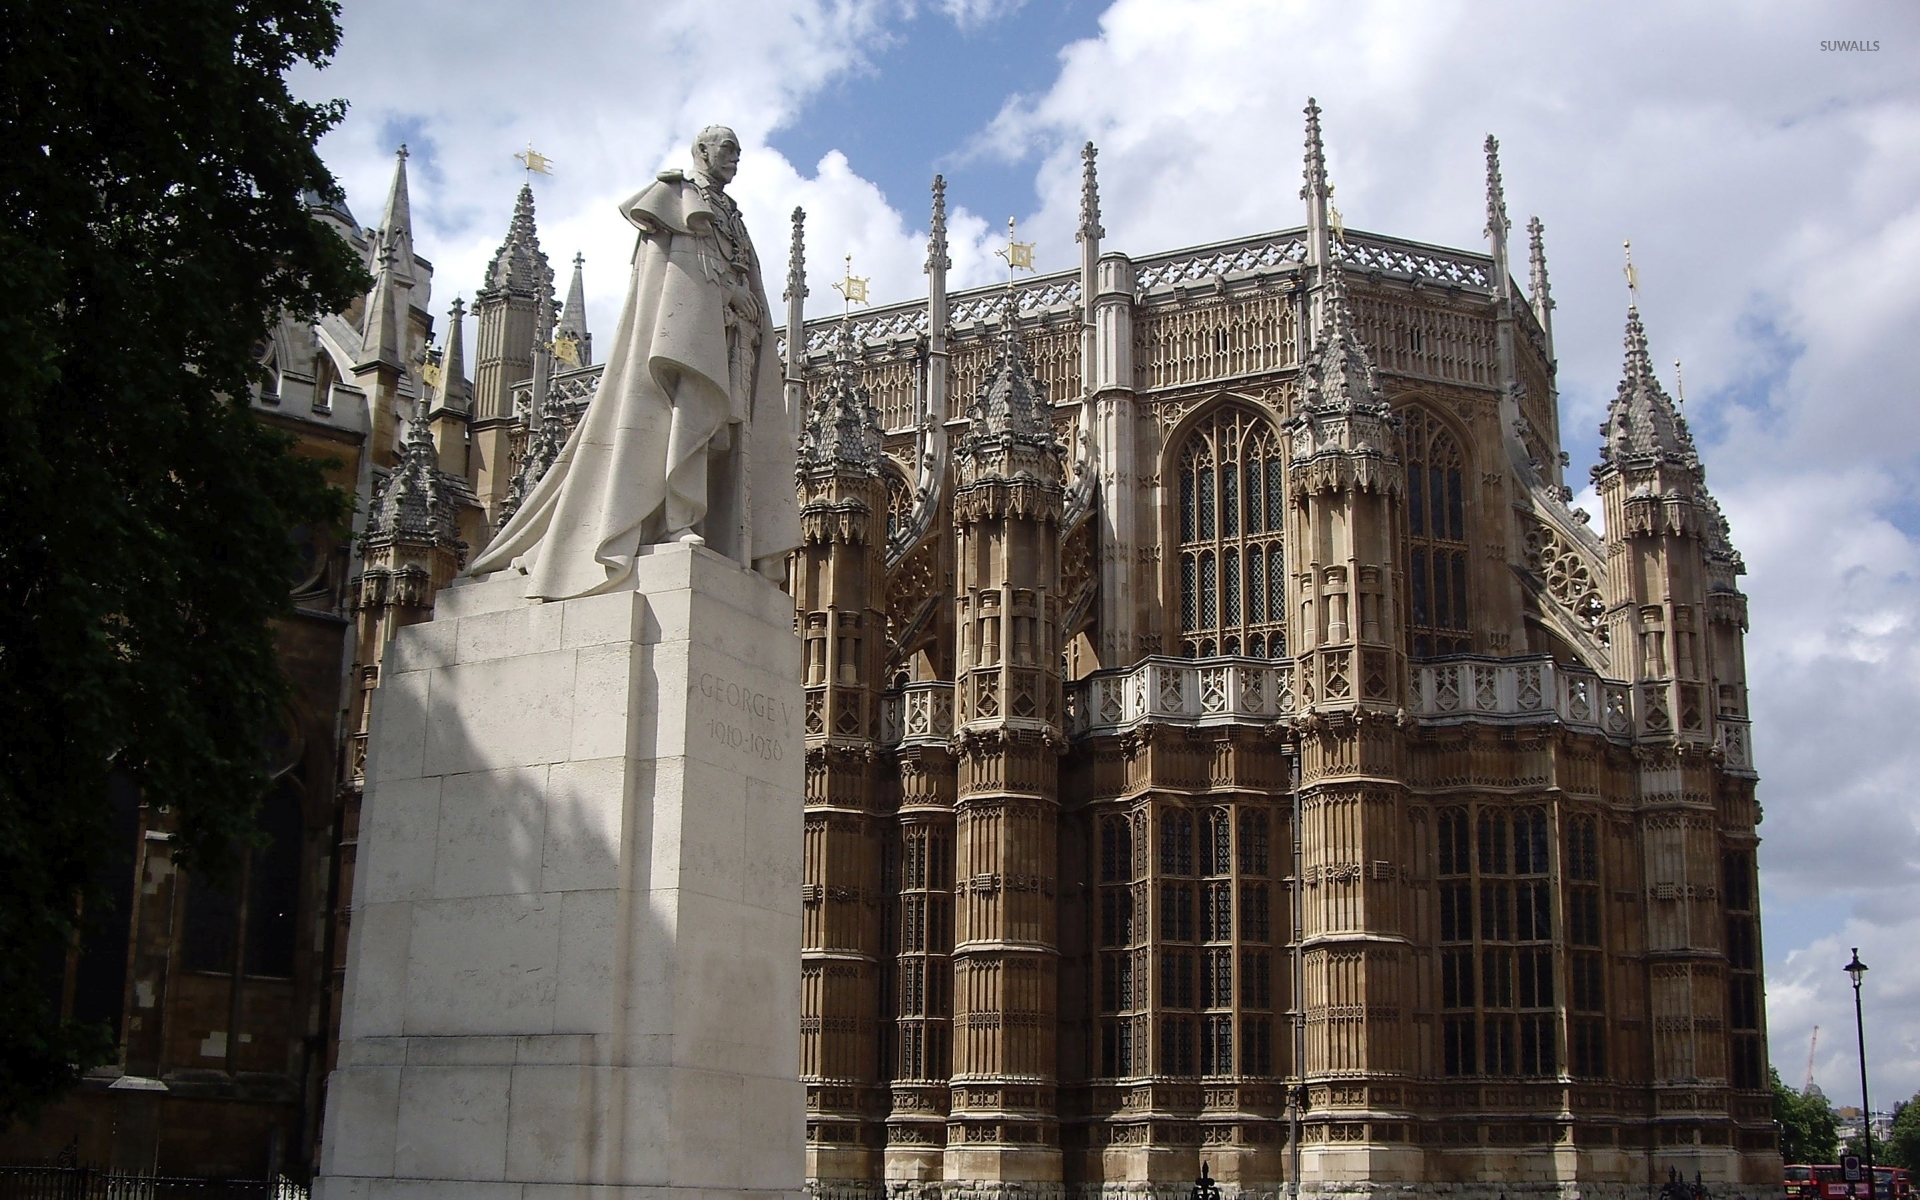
519,265
1315,173
380,328
842,432
396,223
455,394
1011,407
1090,230
1340,373
796,298
1643,428
1540,295
1317,192
414,502
937,259
1497,223
797,258
572,331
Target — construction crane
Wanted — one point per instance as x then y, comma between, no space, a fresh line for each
1813,1043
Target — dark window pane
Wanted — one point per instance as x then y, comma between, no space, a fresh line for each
1206,502
1419,580
1456,509
211,913
1277,595
1459,591
274,887
1188,596
1229,501
1416,501
1186,506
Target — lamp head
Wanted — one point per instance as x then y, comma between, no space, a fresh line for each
1856,968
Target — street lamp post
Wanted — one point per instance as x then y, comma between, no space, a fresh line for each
1856,969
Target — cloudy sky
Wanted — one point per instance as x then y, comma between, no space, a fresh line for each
1771,189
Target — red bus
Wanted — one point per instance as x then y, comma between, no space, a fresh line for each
1828,1182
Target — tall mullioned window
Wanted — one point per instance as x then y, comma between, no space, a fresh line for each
1744,1000
1214,941
1586,955
1232,514
1496,943
1437,553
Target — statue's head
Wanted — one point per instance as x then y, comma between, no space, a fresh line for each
716,154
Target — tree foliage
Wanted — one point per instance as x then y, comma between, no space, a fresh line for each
1809,1129
152,228
1903,1149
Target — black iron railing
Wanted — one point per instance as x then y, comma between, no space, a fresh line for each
86,1183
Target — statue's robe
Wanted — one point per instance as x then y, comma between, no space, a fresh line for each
694,355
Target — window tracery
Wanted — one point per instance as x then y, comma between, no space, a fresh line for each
1437,538
1496,935
1232,562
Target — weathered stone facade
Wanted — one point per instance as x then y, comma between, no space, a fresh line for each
1225,745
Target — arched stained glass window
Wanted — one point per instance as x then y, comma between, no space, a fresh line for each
1232,513
1437,535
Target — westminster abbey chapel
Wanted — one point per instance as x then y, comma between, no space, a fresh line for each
1225,745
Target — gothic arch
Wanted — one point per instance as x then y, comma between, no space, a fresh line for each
1223,573
1442,498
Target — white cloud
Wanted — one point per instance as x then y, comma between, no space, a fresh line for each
611,95
1769,189
971,14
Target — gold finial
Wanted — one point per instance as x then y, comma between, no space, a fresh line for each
1019,255
535,162
1633,276
433,375
852,289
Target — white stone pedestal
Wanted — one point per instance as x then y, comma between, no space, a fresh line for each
575,948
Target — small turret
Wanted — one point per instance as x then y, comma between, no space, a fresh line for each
842,432
519,281
1010,422
415,503
572,342
1643,428
453,399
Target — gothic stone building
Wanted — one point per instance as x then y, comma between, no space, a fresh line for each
1225,746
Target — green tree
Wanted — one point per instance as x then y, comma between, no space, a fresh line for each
1809,1130
1903,1149
152,169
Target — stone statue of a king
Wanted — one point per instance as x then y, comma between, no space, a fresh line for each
688,438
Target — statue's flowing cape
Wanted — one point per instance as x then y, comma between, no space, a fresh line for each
663,395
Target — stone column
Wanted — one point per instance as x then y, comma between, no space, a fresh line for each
840,592
1004,1124
575,954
